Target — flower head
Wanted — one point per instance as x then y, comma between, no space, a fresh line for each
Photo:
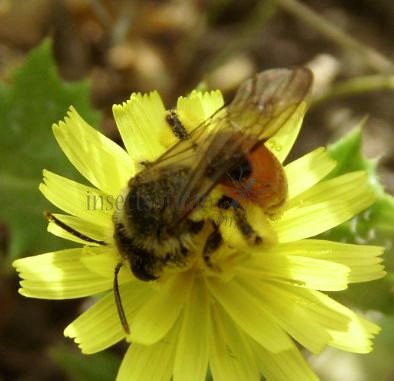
238,316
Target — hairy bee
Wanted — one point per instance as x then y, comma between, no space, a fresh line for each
153,230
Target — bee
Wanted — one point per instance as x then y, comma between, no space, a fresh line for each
154,229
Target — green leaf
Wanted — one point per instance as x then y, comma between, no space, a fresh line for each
33,99
374,226
102,366
349,157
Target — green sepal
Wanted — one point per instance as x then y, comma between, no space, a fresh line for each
374,226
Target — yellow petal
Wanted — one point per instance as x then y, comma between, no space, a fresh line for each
193,110
318,310
141,121
156,317
102,260
99,327
299,271
250,315
284,366
231,357
191,360
87,228
59,275
304,222
290,314
211,101
357,336
281,143
197,107
308,170
79,200
341,188
105,164
363,261
150,363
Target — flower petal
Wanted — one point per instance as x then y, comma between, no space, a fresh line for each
79,200
314,166
249,314
191,360
105,164
59,275
87,228
299,271
141,120
284,366
358,335
150,363
281,143
323,212
99,327
156,317
231,357
340,188
317,310
290,314
193,110
102,260
198,106
363,261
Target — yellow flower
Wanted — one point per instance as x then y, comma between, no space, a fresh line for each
240,322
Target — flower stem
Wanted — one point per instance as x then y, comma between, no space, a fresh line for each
359,85
370,56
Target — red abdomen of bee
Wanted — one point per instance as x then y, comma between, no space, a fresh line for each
259,179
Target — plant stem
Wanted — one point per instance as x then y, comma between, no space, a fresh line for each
370,56
359,85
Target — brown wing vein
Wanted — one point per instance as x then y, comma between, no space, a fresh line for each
261,106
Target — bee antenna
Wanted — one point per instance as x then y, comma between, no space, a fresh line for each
51,218
118,300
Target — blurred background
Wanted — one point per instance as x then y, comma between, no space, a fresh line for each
93,53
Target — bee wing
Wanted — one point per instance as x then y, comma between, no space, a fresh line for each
265,102
261,106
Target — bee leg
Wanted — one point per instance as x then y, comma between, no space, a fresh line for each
118,300
241,220
246,229
176,125
212,243
194,227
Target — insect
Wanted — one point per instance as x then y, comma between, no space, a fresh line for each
154,228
